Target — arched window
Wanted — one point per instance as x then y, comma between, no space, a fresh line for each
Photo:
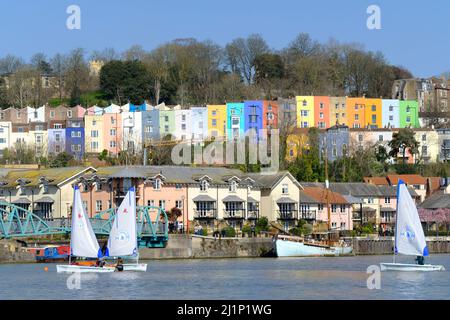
232,186
204,185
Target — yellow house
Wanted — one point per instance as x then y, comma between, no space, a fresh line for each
305,111
217,120
428,145
93,130
373,115
296,143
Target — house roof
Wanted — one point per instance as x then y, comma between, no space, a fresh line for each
232,198
204,197
54,176
286,200
305,198
377,180
271,180
320,195
407,178
437,201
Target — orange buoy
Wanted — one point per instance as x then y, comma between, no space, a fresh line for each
46,269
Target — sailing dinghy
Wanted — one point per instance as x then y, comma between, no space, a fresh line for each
83,242
123,235
409,236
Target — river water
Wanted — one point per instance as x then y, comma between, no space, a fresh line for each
261,278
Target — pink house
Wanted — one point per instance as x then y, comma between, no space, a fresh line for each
112,134
76,112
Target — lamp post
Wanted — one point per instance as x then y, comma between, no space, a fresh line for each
182,207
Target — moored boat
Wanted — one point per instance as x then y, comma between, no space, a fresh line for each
291,246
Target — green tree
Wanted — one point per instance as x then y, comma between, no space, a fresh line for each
402,141
61,160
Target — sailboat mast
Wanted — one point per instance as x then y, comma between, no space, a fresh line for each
327,185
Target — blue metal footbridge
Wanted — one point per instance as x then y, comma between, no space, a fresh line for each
16,222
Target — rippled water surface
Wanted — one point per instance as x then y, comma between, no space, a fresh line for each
268,278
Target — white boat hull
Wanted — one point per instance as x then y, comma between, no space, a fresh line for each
410,267
286,248
83,269
135,267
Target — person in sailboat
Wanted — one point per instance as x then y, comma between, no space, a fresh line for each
119,266
420,260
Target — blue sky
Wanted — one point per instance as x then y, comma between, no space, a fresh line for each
414,33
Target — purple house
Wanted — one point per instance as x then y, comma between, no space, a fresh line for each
253,115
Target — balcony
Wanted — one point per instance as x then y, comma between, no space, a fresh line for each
252,214
308,214
287,214
205,213
234,214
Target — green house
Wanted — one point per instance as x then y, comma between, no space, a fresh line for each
409,114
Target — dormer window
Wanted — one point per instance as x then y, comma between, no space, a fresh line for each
284,188
232,186
98,186
22,190
204,185
157,184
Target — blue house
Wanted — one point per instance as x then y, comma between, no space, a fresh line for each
75,142
150,125
335,140
235,120
135,108
253,113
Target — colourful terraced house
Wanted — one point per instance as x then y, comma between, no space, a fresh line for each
338,111
322,112
373,114
391,113
305,111
235,120
409,114
356,112
270,114
253,114
217,121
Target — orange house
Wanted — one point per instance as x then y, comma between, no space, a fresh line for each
373,115
356,112
322,112
270,116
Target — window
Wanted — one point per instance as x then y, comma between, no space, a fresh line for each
333,208
39,127
360,138
57,126
162,204
2,140
374,108
94,122
391,118
183,126
342,208
179,204
157,184
39,139
321,115
408,119
304,103
98,186
235,121
75,147
304,113
387,199
305,124
112,144
94,133
391,108
285,188
408,109
69,113
2,130
380,138
370,200
58,137
183,117
166,128
424,150
342,225
356,117
113,121
374,118
52,114
321,105
151,203
75,134
320,206
98,205
214,112
424,137
214,122
232,186
333,225
204,185
334,152
20,129
112,132
166,118
94,145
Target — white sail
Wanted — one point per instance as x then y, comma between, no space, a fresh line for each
83,242
123,237
409,236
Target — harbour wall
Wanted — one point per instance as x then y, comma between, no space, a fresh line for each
12,251
182,247
380,246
